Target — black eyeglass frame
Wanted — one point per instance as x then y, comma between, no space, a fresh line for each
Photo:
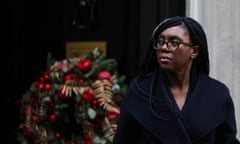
177,42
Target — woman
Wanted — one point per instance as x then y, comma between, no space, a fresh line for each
173,100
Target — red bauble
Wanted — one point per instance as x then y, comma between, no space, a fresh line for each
27,110
94,104
52,118
88,95
87,139
84,65
88,142
26,131
57,135
112,115
104,75
87,136
44,77
47,86
35,119
67,77
61,94
39,85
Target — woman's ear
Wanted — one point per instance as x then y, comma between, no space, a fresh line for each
195,52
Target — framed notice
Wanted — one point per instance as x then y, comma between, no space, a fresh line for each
79,48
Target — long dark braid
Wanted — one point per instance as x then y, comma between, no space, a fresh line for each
198,37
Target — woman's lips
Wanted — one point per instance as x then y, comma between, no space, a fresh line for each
164,59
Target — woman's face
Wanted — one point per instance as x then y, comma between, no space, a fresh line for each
174,51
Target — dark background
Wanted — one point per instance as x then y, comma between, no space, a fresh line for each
36,28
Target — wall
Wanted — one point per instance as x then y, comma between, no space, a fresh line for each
221,21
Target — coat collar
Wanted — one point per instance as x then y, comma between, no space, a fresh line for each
158,113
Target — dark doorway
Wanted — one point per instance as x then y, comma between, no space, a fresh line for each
36,28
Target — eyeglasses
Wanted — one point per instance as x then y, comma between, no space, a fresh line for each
172,45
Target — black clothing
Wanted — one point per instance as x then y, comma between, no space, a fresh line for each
150,115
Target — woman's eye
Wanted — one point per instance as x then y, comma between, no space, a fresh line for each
161,42
175,43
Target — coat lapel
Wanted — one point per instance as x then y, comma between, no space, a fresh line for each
160,115
205,108
157,114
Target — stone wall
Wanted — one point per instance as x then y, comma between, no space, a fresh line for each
221,21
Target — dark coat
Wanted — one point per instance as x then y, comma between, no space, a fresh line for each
149,114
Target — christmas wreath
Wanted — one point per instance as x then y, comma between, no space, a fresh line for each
75,101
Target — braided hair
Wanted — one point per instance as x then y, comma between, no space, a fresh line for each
197,36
